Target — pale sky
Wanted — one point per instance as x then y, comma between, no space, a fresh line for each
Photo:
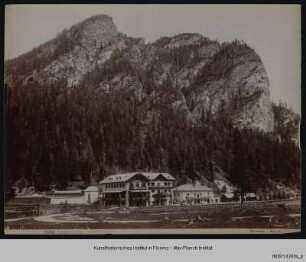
274,31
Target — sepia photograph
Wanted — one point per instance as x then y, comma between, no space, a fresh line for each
152,119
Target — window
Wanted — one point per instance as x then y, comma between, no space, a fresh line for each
143,184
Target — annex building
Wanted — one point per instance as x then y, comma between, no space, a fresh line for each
195,194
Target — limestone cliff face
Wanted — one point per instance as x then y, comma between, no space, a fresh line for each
95,41
286,123
207,78
242,91
201,77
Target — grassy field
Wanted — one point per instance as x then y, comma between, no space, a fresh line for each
252,215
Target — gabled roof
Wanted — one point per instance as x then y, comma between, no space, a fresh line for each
127,176
91,189
152,176
118,178
191,187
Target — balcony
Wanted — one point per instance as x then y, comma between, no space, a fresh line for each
138,187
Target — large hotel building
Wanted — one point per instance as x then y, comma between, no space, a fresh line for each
137,189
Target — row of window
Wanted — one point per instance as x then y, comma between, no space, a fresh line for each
138,184
160,184
121,185
159,191
194,194
115,185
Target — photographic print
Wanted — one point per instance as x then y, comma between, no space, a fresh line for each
152,119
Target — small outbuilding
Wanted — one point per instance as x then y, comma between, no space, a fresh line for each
91,194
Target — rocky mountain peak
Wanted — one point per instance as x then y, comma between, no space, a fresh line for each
96,31
208,77
184,40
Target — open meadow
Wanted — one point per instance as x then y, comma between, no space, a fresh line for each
253,215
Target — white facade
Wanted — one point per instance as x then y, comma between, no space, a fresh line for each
195,194
91,194
160,187
160,192
76,197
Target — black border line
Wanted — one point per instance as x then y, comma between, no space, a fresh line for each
2,117
303,119
300,235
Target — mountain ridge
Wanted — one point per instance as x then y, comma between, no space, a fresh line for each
93,41
108,100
